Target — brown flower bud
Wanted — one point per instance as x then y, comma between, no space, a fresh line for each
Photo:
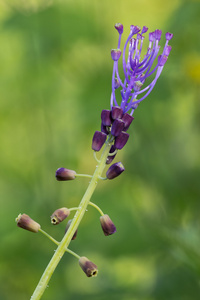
25,222
59,215
107,225
88,267
63,174
67,227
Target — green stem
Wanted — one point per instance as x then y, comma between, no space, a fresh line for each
49,236
74,225
97,207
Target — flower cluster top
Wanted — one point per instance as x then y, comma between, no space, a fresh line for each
137,70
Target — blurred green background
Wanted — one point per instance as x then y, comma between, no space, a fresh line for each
55,74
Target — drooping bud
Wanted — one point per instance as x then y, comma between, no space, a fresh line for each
127,121
107,225
116,112
99,139
121,140
106,117
115,54
59,215
25,222
63,174
111,157
115,170
117,127
88,267
67,227
119,27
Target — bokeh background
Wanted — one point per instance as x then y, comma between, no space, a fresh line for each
55,78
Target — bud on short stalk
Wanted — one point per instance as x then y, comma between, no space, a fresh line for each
25,222
88,267
107,225
115,170
63,174
59,215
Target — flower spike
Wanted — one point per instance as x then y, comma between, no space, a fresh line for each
137,68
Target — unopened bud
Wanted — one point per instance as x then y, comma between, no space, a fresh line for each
121,140
107,225
59,215
106,117
128,119
116,112
63,174
99,139
117,127
67,227
88,267
115,170
25,222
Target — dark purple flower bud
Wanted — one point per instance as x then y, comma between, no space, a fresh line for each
25,222
115,170
59,215
99,139
63,174
106,117
168,36
121,140
88,267
115,54
117,127
119,27
128,119
107,225
67,227
111,157
116,112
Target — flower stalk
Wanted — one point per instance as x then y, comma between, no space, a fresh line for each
74,225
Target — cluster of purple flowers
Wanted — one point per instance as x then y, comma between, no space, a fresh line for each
115,122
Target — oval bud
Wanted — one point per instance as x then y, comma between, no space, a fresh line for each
63,174
25,222
115,170
99,139
88,267
59,215
117,127
106,117
121,140
128,119
117,112
67,227
107,225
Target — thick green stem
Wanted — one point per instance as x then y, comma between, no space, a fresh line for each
74,225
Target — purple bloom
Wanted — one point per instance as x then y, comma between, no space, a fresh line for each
137,68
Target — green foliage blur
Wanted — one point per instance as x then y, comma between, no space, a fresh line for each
55,78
